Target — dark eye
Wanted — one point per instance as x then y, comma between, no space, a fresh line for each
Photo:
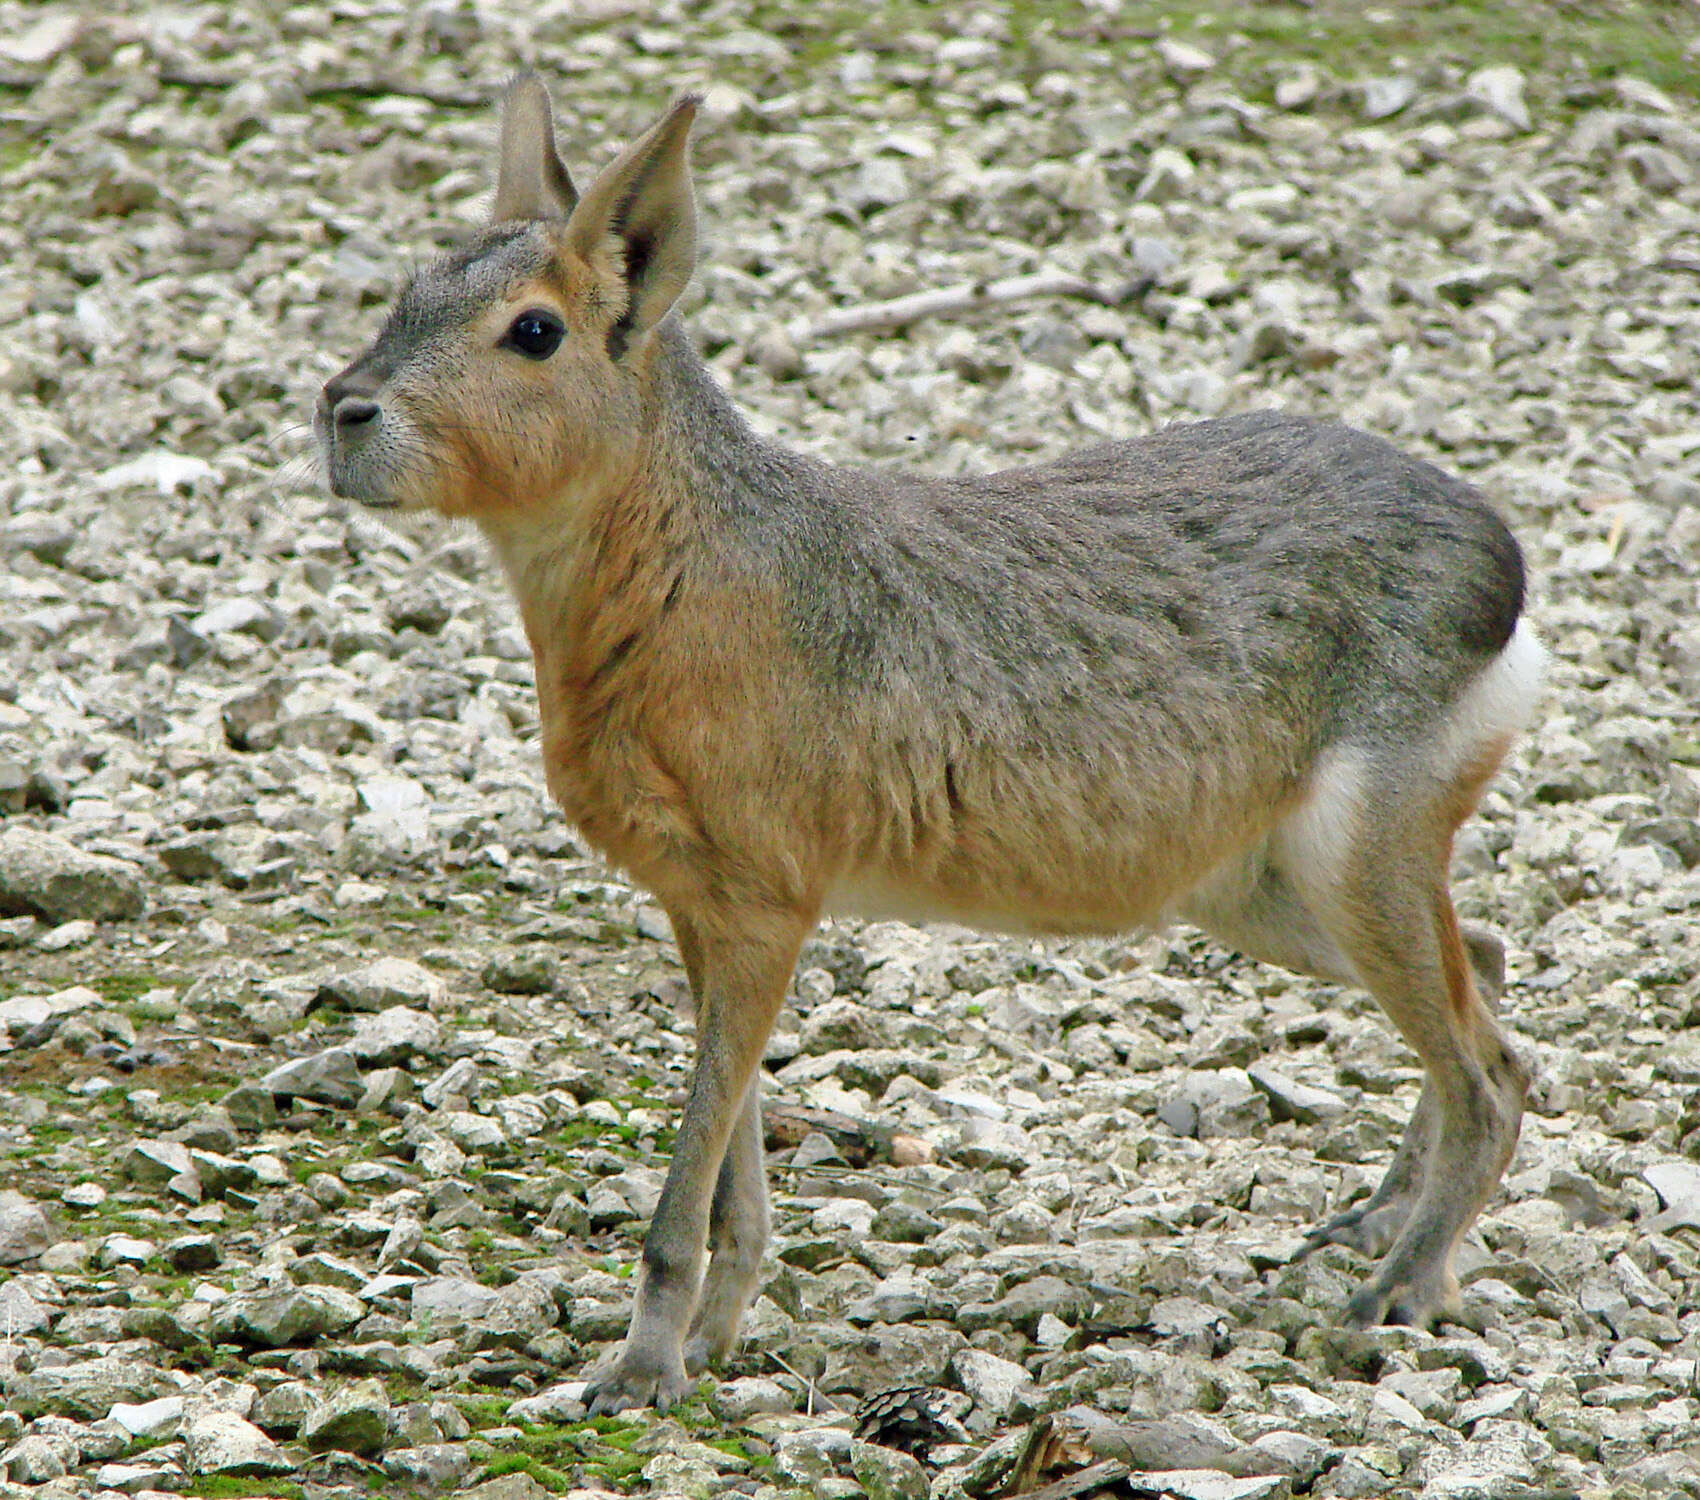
534,334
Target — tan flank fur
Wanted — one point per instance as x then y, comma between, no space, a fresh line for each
1250,672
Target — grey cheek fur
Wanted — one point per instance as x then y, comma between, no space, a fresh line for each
420,346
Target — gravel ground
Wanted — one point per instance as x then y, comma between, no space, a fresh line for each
337,1079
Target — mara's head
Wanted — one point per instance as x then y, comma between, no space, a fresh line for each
512,371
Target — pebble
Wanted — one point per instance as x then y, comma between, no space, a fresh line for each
149,1418
736,1401
1678,1185
86,1389
155,1161
37,1458
383,983
1383,97
1291,1100
330,1077
46,876
1501,90
437,1468
507,1487
888,1474
291,1315
220,1442
1298,89
21,1311
354,1420
24,1228
995,1384
394,1035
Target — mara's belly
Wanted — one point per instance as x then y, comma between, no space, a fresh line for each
1054,871
1103,908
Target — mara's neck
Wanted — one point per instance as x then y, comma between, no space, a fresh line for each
694,465
699,435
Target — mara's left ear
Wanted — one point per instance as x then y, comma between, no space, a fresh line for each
531,182
639,220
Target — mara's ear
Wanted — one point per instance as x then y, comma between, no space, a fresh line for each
639,219
531,182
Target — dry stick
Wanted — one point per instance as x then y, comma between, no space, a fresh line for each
970,296
1097,1477
363,87
815,1393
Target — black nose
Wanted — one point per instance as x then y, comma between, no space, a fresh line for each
354,411
347,399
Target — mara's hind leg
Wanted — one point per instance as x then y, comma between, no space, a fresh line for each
1379,883
1372,1225
1257,910
1474,1092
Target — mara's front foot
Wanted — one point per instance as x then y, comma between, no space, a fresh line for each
709,1345
639,1377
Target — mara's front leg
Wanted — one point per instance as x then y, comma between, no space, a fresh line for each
738,1218
738,1224
744,956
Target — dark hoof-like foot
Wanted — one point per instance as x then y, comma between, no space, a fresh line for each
1402,1305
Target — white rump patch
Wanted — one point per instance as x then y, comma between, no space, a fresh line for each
1496,707
1313,843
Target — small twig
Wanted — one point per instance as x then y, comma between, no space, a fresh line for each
360,88
1097,1477
195,78
217,1043
1614,536
848,1172
378,88
815,1392
969,296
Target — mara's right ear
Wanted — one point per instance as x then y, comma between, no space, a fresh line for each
531,182
638,222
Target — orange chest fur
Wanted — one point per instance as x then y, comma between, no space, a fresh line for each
606,760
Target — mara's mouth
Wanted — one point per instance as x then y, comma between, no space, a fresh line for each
346,482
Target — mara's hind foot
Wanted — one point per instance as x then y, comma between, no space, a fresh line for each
1408,1292
739,1221
1373,1226
1369,1227
713,1333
